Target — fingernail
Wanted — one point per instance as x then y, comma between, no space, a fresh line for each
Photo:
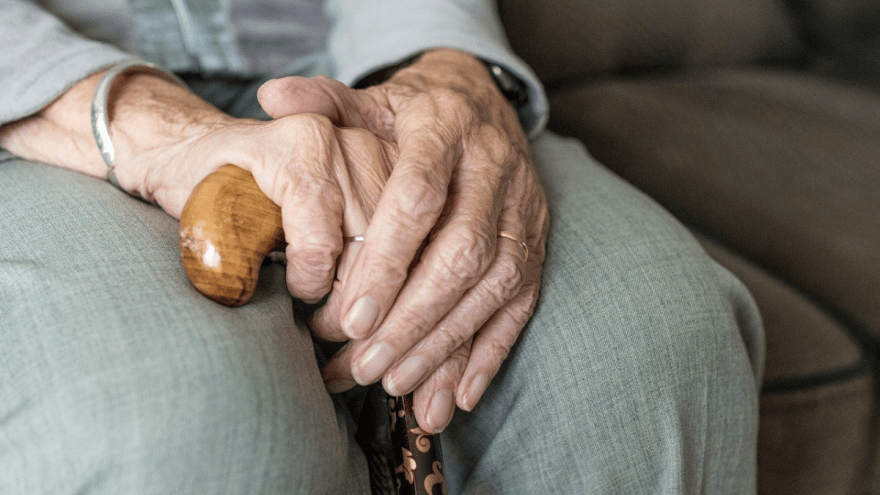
373,363
405,376
476,390
361,317
440,411
339,385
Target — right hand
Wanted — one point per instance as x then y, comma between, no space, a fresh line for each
324,178
167,140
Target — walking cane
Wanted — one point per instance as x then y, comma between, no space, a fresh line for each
227,229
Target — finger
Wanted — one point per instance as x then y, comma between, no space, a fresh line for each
493,342
294,94
453,262
367,166
500,283
434,400
408,209
457,257
321,95
324,322
336,373
312,206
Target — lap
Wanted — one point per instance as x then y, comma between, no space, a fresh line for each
638,369
116,361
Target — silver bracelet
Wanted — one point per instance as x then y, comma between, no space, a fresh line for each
100,119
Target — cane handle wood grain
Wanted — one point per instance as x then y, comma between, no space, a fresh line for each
227,229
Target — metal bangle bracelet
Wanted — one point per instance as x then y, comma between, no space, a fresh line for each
99,117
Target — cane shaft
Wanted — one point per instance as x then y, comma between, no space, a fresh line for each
417,454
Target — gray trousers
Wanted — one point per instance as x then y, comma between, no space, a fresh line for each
637,374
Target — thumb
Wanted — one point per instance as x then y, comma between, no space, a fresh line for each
344,106
290,95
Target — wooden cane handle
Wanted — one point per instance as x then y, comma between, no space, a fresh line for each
227,229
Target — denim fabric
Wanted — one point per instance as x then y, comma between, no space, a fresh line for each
637,374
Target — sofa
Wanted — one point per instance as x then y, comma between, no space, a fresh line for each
756,123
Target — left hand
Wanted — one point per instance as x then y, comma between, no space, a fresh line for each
443,325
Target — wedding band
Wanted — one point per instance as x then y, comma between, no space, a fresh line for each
518,240
354,238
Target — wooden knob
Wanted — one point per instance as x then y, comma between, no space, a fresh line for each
227,229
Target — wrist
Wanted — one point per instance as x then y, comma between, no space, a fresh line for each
145,113
450,69
148,116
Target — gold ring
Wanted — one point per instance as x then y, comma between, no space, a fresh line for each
354,238
518,240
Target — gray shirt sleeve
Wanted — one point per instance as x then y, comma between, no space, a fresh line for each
42,58
368,35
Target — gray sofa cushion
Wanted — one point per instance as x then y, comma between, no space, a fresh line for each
782,167
565,38
843,38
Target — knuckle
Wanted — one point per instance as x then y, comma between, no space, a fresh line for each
357,138
307,290
311,183
415,319
425,195
451,371
496,350
448,337
496,145
466,258
523,308
315,124
520,314
508,278
314,256
303,128
451,374
392,265
452,99
460,111
315,248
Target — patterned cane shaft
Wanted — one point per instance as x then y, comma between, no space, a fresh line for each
418,457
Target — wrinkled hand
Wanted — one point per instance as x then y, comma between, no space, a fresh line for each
167,140
443,326
325,179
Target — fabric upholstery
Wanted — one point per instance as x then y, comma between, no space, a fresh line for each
818,441
822,345
779,166
844,38
565,38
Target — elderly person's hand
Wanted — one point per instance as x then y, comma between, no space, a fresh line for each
463,175
167,140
